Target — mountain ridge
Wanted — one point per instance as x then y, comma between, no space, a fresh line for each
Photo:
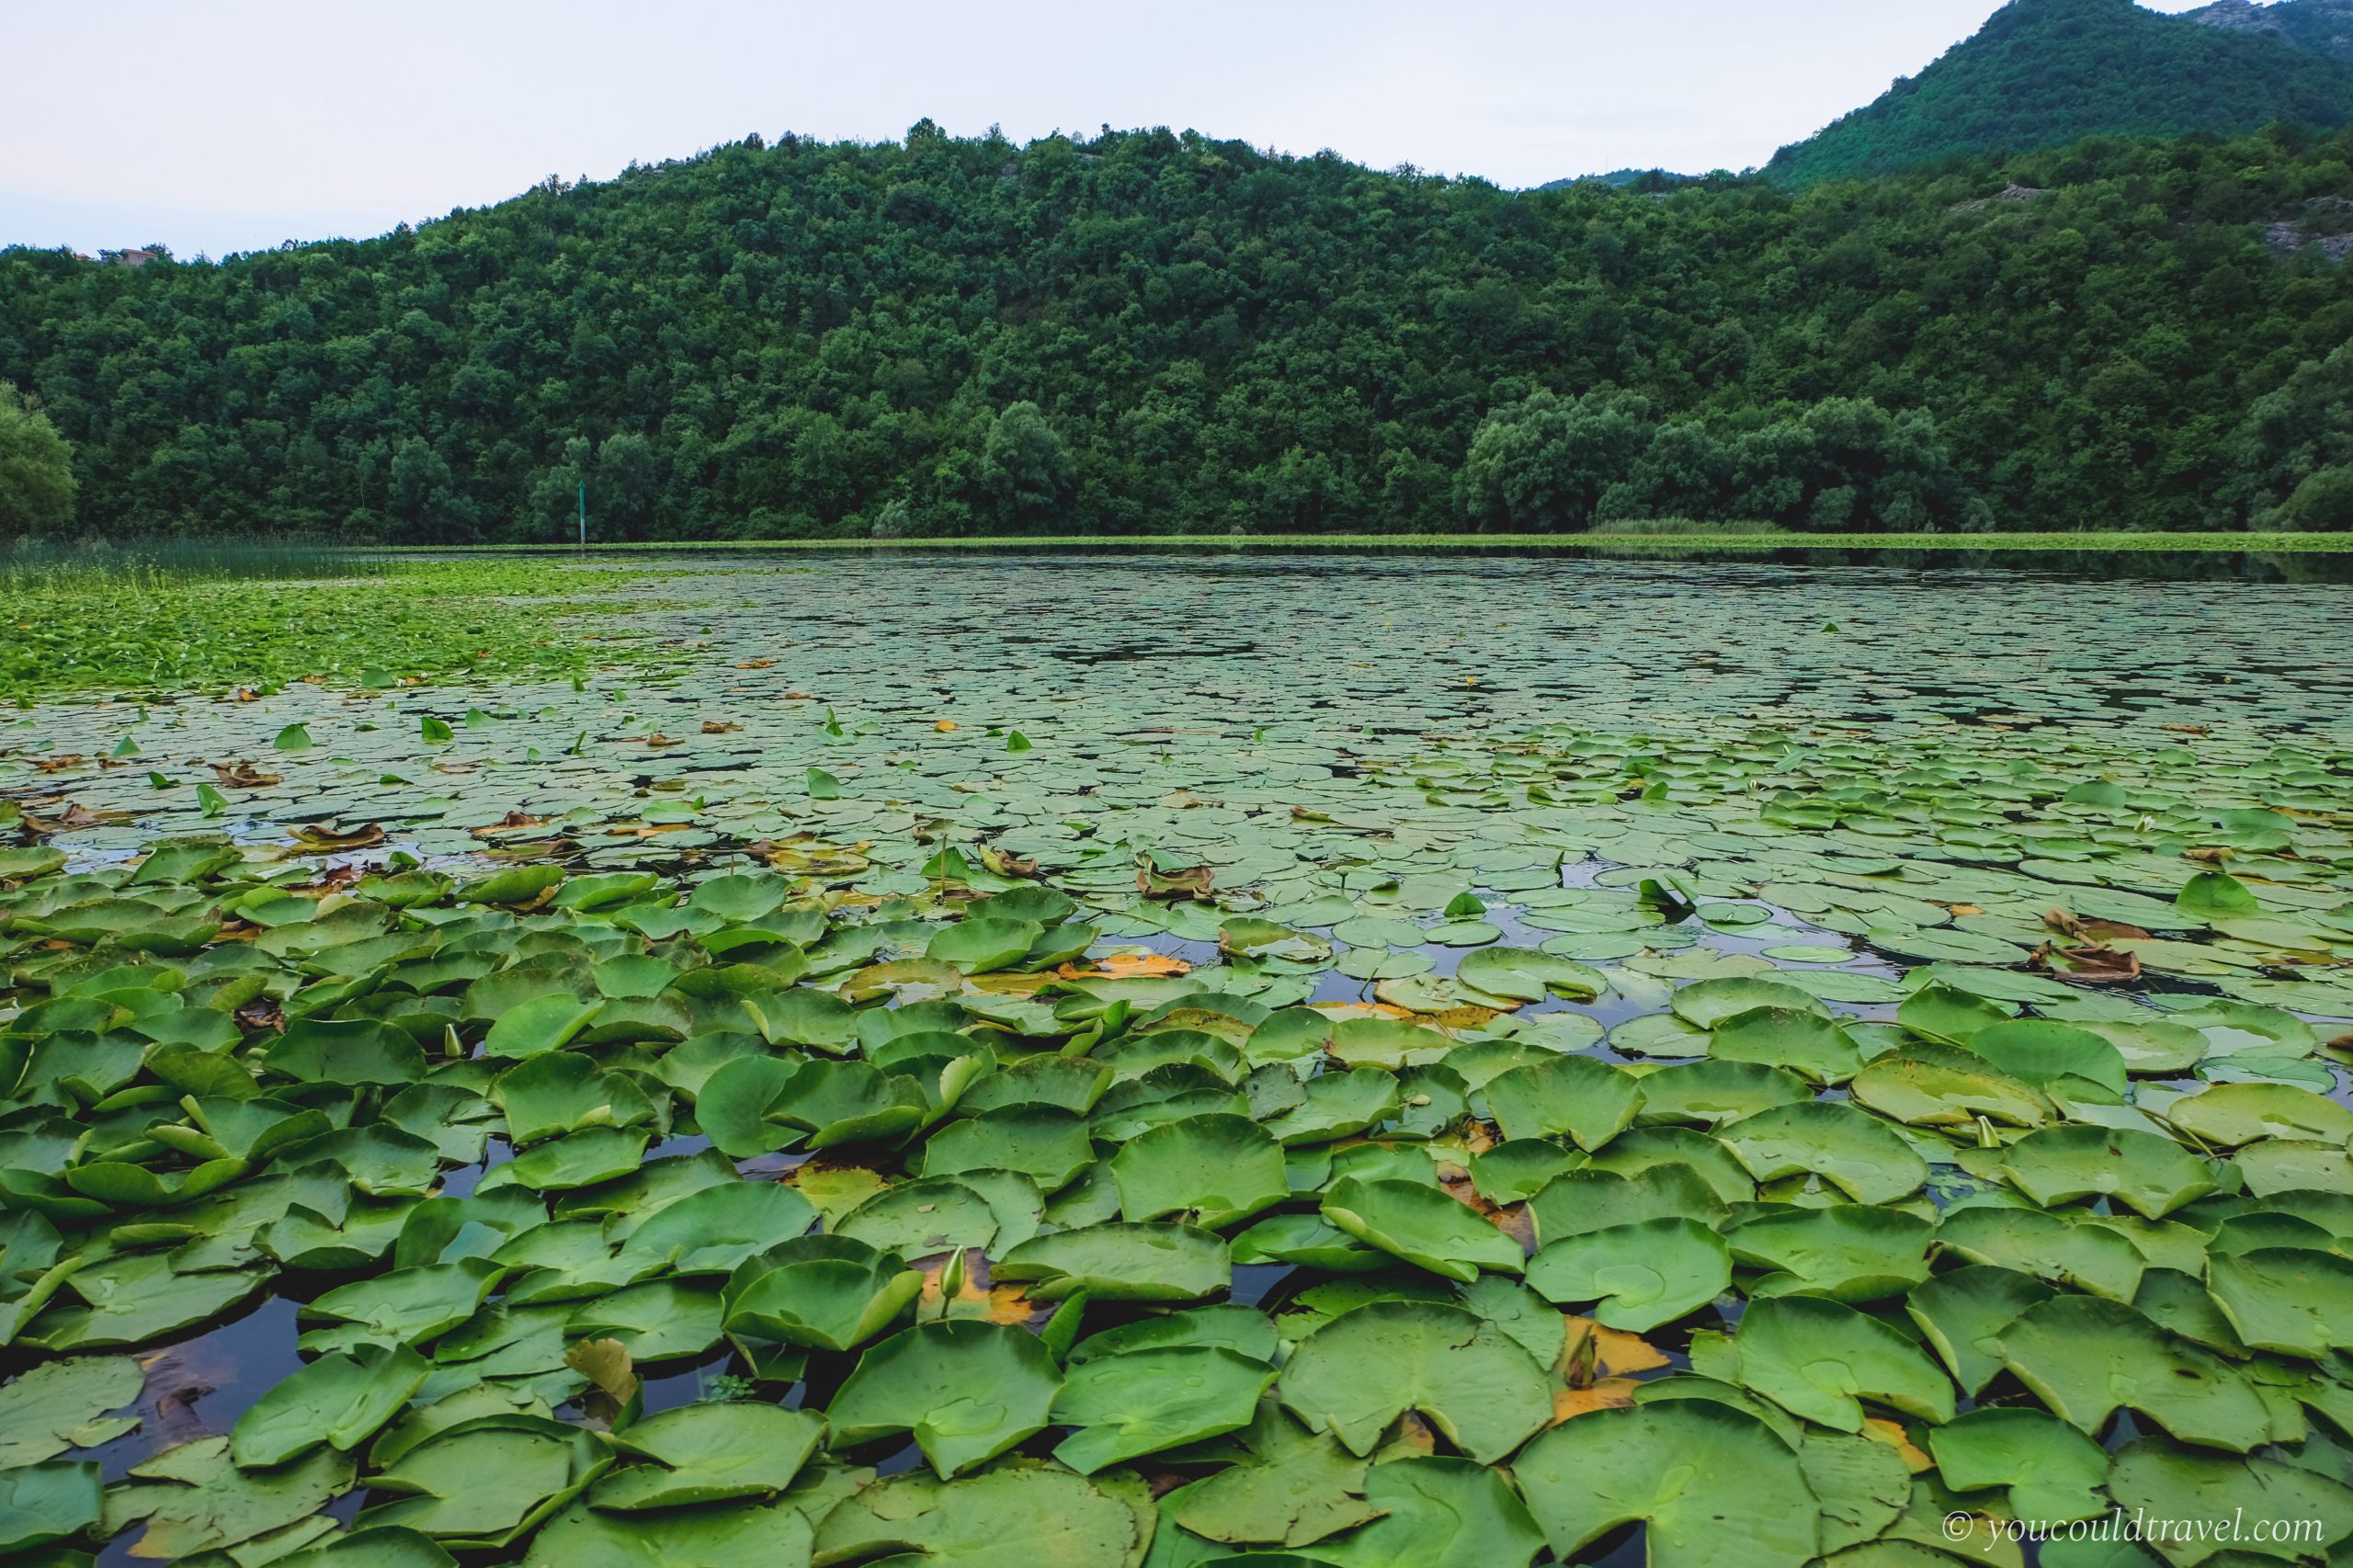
2324,26
2045,73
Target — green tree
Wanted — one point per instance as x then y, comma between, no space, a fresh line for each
1024,470
36,467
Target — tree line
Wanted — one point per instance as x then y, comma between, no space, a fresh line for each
1155,331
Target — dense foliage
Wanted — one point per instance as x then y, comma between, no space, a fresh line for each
1152,332
2042,73
36,467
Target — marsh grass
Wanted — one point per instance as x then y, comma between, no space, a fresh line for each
219,618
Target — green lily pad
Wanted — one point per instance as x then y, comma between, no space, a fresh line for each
2195,1502
2154,1175
338,1399
2084,1357
1131,1262
777,1535
1641,1275
1707,1003
1798,1039
1862,1157
2047,1247
1214,1170
2229,1115
1012,1517
1437,1513
44,1503
485,1484
1360,1372
1423,1225
194,1498
2288,1301
2051,1473
829,1292
129,1301
1714,1488
1819,1359
1142,1402
1848,1252
709,1453
1962,1313
964,1391
61,1405
1589,1102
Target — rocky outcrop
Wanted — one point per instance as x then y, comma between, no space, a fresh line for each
2324,26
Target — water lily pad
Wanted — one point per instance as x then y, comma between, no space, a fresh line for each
1014,1516
1525,975
709,1453
2059,1164
1357,1373
1044,1142
1135,1262
338,1399
1801,1041
59,1405
485,1484
777,1535
1214,1170
2288,1301
1423,1225
194,1498
1337,1106
964,1391
829,1293
129,1301
1707,1003
1589,1101
2084,1357
2048,1246
2051,1472
2196,1503
44,1503
1641,1275
1438,1513
2229,1115
1582,1200
1287,1487
660,1320
1848,1252
1862,1157
1819,1359
1145,1400
1714,1488
1962,1313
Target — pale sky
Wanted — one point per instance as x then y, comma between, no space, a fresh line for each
236,124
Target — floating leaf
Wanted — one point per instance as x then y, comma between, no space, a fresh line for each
1155,1262
1142,1402
2084,1357
338,1399
1364,1368
1642,1275
1714,1487
709,1453
1015,1517
964,1391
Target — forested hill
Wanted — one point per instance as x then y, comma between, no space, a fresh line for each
2043,72
1158,333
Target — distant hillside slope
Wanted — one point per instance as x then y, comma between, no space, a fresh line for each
2043,72
2324,26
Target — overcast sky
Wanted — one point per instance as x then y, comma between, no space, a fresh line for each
237,124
